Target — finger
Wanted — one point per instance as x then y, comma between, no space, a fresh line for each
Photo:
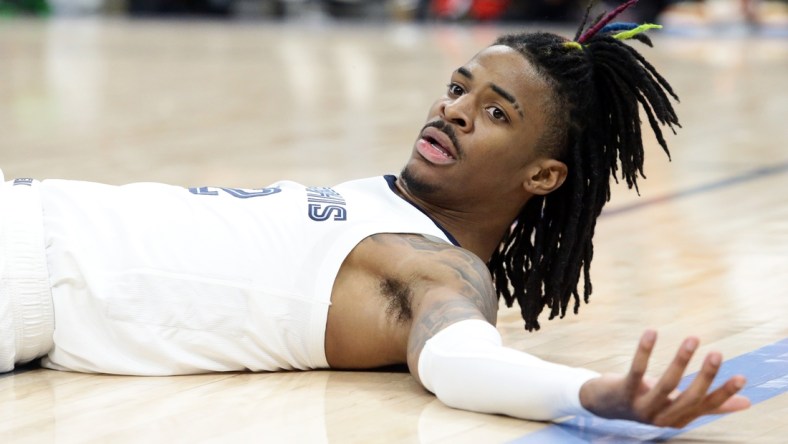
640,361
695,394
716,401
734,404
693,401
672,376
720,401
655,401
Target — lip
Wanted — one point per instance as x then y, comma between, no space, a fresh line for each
441,139
430,152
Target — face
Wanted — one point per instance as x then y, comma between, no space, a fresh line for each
480,138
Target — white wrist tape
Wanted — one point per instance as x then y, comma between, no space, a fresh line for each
467,368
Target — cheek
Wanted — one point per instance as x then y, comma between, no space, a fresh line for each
503,156
501,148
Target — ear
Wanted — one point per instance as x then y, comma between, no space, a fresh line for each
545,176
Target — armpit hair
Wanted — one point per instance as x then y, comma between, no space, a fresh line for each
398,295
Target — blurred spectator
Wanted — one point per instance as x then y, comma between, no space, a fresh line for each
546,10
566,11
677,14
179,7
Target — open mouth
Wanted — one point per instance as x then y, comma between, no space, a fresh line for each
440,142
438,147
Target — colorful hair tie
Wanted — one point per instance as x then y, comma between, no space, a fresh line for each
627,30
625,35
618,26
574,45
605,20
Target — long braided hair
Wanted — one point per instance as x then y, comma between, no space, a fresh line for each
598,82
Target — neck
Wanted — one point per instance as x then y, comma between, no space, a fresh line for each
477,228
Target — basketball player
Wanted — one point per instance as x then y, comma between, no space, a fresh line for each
498,199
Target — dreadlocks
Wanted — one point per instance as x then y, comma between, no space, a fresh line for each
597,82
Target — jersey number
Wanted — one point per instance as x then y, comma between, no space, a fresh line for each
235,192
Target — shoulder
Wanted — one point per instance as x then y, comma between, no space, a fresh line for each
409,250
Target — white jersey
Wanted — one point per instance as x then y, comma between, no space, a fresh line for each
152,279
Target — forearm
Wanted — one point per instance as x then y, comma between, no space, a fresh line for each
466,367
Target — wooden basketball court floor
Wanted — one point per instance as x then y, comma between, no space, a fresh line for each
703,251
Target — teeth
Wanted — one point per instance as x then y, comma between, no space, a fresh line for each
439,148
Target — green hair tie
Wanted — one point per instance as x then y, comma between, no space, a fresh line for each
626,35
574,45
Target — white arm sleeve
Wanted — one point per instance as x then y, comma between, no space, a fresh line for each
467,368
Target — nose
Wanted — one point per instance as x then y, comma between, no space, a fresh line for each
456,112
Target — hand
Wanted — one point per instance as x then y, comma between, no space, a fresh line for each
658,402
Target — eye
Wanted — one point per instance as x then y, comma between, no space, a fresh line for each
455,89
496,113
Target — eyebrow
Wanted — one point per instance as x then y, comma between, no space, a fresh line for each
509,98
463,71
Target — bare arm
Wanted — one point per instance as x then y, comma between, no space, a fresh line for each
458,288
455,351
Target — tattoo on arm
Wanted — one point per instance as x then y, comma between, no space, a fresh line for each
470,279
462,289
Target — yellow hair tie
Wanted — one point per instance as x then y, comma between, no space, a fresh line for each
625,35
573,45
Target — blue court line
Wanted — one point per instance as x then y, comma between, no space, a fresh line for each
766,370
747,176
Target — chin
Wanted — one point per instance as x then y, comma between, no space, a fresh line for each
415,182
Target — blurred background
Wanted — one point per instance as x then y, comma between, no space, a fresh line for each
247,92
684,13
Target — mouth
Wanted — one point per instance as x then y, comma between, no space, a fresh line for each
436,146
